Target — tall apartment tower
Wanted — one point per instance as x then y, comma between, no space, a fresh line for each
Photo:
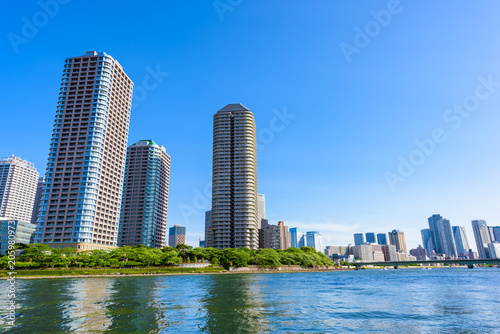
427,241
82,196
297,238
261,206
397,238
234,179
482,236
445,233
38,199
143,218
461,241
434,229
18,180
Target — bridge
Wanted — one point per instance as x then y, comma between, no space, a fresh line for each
395,264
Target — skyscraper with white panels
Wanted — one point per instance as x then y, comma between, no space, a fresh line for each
82,196
18,181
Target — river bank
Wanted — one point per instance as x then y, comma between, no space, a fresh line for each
169,271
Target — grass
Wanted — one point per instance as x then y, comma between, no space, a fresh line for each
107,271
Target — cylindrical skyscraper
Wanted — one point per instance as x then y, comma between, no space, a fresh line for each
234,179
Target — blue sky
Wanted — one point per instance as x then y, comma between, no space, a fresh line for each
341,92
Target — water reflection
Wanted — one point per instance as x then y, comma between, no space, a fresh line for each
88,311
233,304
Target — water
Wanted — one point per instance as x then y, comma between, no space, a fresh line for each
448,300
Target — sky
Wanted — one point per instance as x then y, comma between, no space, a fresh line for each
371,116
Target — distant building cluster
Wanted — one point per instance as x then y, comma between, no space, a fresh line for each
371,247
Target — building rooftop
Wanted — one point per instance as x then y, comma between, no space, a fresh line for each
234,107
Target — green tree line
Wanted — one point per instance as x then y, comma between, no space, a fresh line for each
42,256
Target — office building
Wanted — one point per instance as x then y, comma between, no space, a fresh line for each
359,239
84,180
436,239
261,206
38,199
495,234
208,229
445,233
494,250
18,181
382,239
420,253
390,253
482,236
176,235
296,237
461,241
339,250
269,235
143,218
285,236
234,179
370,237
363,252
313,239
21,232
397,239
427,241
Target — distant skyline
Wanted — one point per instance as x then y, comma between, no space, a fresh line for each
370,116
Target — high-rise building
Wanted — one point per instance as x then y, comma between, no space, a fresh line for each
234,179
16,231
461,241
390,253
482,236
83,190
496,233
427,240
494,250
38,199
143,217
208,229
445,233
261,206
313,239
285,237
359,239
382,239
269,235
176,235
370,237
18,180
296,236
436,239
397,239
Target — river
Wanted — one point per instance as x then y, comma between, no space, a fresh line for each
446,300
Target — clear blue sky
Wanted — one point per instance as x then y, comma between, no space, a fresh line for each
359,101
